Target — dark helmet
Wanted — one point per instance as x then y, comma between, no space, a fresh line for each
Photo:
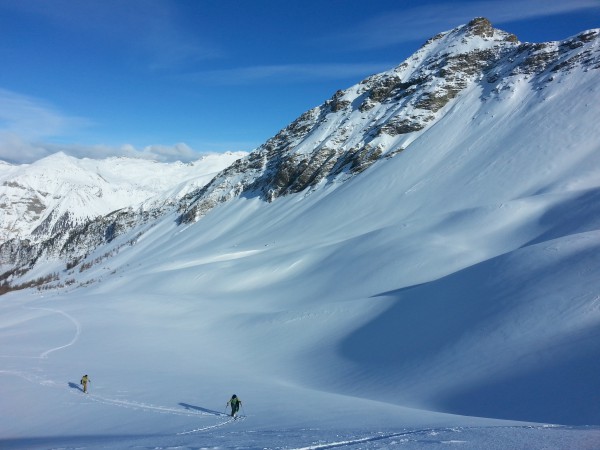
234,396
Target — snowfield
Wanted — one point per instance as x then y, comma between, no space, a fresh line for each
448,297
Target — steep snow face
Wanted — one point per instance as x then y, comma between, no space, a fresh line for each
59,192
376,118
383,115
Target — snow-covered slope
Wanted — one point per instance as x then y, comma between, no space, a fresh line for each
447,294
385,114
59,192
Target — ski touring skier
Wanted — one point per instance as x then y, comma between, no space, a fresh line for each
235,403
84,382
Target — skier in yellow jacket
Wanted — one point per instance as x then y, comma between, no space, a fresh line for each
235,403
84,382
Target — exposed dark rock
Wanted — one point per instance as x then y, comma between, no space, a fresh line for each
480,26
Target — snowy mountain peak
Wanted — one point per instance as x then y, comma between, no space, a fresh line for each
477,34
382,115
473,67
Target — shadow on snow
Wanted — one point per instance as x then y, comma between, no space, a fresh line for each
75,386
424,347
204,410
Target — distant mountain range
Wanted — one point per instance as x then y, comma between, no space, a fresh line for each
60,192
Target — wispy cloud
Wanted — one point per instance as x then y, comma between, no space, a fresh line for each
286,73
423,22
163,153
151,29
28,126
26,120
28,116
15,150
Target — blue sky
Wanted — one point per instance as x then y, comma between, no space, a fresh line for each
171,79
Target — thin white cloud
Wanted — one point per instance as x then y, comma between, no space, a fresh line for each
25,121
16,151
154,30
31,117
28,126
423,22
286,73
515,10
156,152
163,153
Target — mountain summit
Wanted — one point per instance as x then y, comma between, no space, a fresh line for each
382,115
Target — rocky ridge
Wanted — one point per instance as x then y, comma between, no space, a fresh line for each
379,117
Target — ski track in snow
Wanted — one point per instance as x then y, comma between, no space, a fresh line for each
75,338
405,434
45,354
210,427
365,440
130,404
135,405
32,378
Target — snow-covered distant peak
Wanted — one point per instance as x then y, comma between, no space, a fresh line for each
155,176
61,190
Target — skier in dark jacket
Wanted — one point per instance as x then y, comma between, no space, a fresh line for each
235,403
